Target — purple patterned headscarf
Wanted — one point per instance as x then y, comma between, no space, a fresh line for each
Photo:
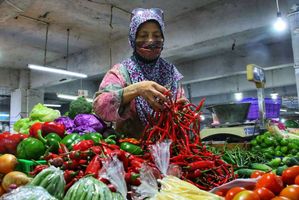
160,71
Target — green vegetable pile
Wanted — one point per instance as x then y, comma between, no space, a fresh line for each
79,106
274,145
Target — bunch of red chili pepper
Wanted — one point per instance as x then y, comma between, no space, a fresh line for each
181,124
86,159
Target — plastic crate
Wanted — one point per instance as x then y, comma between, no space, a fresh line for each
27,166
272,107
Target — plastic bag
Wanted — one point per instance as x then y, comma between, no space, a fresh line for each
28,192
43,113
113,170
149,186
52,180
161,155
242,182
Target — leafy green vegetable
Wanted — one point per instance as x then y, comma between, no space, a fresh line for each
43,113
23,125
79,106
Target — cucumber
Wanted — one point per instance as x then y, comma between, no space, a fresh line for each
279,170
291,161
244,173
262,167
274,163
40,177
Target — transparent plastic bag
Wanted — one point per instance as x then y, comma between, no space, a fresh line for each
243,182
161,155
52,180
28,192
113,170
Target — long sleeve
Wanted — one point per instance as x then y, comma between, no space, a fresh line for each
107,101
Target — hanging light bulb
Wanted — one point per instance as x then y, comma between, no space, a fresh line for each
238,96
280,24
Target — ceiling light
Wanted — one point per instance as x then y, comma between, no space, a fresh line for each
57,71
283,110
4,115
71,97
296,113
282,120
238,96
274,95
280,24
52,105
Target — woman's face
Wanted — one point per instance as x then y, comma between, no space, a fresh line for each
149,40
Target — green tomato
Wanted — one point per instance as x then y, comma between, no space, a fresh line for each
278,153
259,139
269,141
253,142
292,146
284,142
284,149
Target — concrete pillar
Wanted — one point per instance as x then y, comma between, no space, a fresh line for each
294,26
23,99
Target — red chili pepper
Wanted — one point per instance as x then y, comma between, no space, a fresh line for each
37,169
69,175
53,127
130,140
83,145
112,188
50,156
104,180
201,164
97,149
78,155
70,164
94,166
62,149
35,128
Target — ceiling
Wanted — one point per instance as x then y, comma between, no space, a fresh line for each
23,33
94,23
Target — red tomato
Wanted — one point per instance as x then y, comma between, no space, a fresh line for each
221,192
271,182
246,195
291,192
297,180
232,192
257,173
280,198
289,175
264,193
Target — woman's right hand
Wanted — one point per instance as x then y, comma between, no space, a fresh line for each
153,93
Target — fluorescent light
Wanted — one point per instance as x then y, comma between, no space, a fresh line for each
238,96
57,71
296,113
283,110
71,97
4,115
282,120
53,105
274,95
280,24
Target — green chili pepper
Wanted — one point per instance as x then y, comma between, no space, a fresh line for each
96,137
51,141
131,148
70,140
110,141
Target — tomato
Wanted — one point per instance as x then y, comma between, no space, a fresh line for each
246,195
264,193
232,192
297,180
289,175
271,182
280,198
221,192
291,192
257,173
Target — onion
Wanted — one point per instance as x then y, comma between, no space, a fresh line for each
2,191
14,178
8,163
